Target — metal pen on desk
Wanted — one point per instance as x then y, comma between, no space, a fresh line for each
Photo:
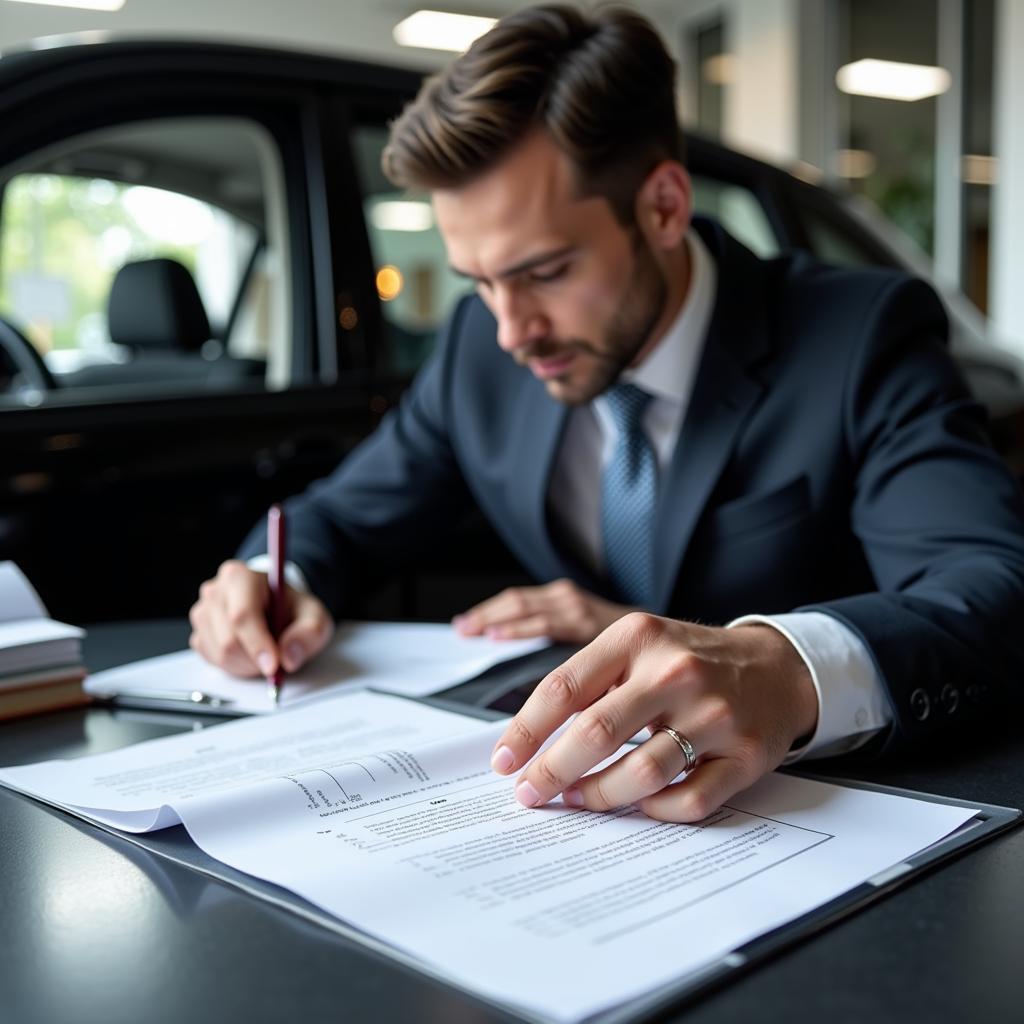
142,697
275,577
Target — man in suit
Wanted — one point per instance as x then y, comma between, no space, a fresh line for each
775,460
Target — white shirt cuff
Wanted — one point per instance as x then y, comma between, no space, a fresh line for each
852,705
293,575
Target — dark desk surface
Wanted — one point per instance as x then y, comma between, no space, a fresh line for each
92,929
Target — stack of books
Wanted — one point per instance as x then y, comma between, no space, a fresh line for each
40,659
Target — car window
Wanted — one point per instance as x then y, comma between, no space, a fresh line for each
739,211
832,244
415,284
147,258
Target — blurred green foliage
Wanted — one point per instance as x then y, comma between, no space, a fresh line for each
77,231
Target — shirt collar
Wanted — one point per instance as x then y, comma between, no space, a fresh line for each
669,370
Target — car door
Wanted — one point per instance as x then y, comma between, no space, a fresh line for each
127,482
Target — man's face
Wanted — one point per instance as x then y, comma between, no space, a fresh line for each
576,295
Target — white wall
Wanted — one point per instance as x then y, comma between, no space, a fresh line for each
762,113
762,104
1007,281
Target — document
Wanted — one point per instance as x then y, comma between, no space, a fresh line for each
384,813
411,659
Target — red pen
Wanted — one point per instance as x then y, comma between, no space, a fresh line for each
276,610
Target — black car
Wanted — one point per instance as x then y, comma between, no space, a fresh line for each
209,293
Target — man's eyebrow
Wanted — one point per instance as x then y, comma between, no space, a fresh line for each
518,268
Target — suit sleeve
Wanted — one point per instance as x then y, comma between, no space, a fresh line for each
941,522
388,500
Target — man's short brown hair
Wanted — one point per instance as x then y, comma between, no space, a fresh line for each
601,84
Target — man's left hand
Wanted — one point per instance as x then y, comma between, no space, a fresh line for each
741,697
561,610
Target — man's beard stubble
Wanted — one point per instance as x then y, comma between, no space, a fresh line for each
643,300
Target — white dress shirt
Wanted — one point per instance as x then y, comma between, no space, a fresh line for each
851,702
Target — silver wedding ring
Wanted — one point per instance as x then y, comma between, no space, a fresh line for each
684,745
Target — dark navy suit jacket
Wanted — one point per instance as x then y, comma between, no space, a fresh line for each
831,459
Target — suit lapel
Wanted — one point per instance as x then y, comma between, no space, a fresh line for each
724,394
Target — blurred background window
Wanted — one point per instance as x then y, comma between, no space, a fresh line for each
738,210
978,162
415,284
889,152
65,237
198,191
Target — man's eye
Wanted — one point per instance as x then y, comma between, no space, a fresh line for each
549,275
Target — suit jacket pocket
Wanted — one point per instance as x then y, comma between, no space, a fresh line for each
759,511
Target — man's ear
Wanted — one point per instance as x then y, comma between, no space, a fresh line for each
664,205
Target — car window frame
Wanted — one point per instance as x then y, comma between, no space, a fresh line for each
176,90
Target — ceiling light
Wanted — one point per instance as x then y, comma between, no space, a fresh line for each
402,215
890,80
85,5
438,30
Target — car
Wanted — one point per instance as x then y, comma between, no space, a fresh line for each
209,293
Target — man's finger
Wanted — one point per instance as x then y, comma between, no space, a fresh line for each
221,647
509,606
569,688
245,607
307,634
702,792
532,625
645,770
596,734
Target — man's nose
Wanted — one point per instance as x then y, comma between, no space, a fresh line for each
520,324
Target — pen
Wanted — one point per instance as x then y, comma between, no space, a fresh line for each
276,611
162,697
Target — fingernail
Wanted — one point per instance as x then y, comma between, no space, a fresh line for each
573,797
265,661
494,632
458,620
293,656
527,795
502,759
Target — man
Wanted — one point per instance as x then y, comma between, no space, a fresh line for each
669,423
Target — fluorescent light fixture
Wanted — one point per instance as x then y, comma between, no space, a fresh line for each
85,5
438,30
890,80
979,170
402,215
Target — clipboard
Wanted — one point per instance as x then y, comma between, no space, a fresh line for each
175,845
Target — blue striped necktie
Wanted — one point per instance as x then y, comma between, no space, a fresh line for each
629,489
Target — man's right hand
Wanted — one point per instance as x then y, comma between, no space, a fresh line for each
229,624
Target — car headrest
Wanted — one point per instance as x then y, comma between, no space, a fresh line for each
154,304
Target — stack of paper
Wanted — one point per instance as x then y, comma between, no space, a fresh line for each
40,660
413,659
